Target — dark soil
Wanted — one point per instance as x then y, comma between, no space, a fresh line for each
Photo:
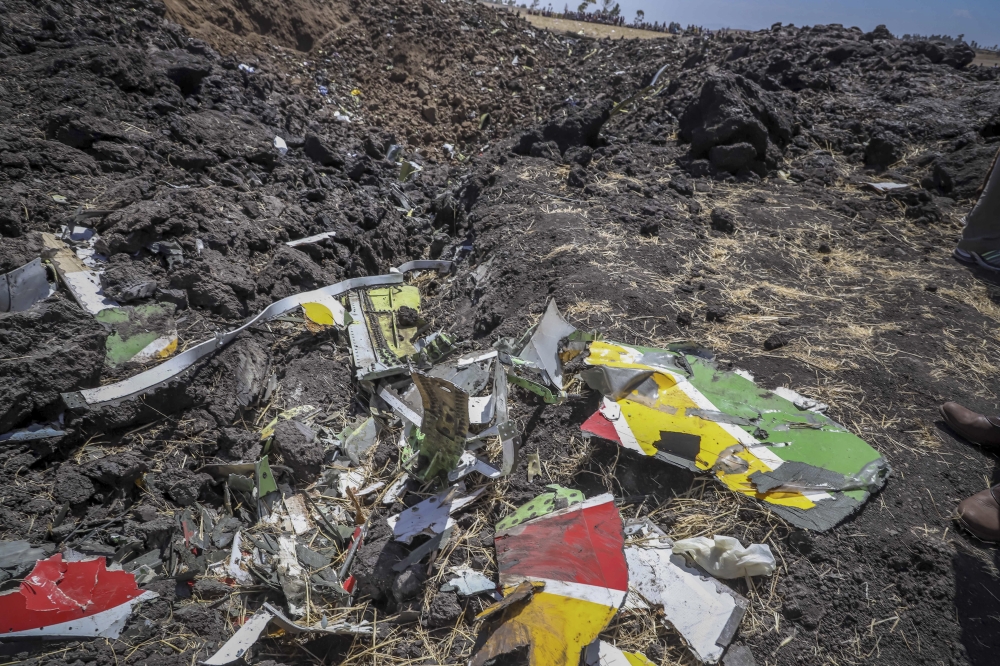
727,207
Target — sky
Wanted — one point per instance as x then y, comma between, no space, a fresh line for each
977,19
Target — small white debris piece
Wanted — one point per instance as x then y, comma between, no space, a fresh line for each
468,582
432,516
280,144
703,610
349,479
235,557
308,240
725,557
341,117
245,68
800,400
297,514
368,490
291,575
395,490
237,646
469,463
886,187
600,653
466,361
157,350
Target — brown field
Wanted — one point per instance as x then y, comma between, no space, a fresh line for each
595,30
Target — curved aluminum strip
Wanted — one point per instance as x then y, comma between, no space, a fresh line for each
144,381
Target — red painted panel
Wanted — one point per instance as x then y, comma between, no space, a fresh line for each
57,591
598,426
584,546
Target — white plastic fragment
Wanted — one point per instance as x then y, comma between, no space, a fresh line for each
280,144
235,557
468,582
352,479
725,557
245,68
291,575
298,514
308,240
432,516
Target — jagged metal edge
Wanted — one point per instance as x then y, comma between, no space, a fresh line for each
146,382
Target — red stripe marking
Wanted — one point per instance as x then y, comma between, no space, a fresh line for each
584,546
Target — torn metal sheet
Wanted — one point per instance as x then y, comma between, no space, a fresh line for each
432,516
235,559
444,424
436,542
468,583
23,287
702,609
83,283
577,553
800,400
291,576
399,406
360,440
34,431
600,653
153,378
692,414
236,647
309,240
725,557
739,655
543,347
73,600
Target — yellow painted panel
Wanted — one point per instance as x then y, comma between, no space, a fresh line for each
561,627
318,313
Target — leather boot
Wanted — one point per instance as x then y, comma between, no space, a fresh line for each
983,430
980,514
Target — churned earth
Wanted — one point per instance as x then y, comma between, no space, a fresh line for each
725,204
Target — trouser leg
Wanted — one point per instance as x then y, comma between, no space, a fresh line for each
982,225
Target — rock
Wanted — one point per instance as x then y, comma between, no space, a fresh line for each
723,220
54,347
546,149
577,176
716,313
651,228
579,128
684,319
178,297
732,158
207,588
581,155
443,611
299,449
775,341
961,174
185,69
119,470
181,485
429,113
71,487
127,282
884,149
408,584
320,153
732,110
